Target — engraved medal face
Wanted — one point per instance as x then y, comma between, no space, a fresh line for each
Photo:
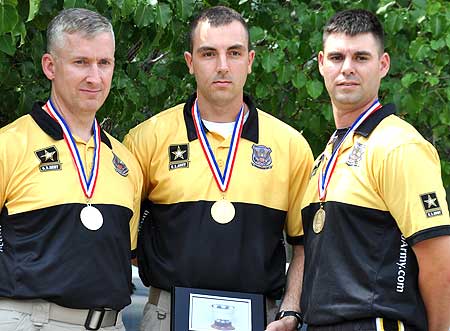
222,211
91,218
319,220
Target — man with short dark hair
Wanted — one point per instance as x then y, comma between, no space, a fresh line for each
375,219
222,179
69,193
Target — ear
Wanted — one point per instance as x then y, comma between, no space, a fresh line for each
251,57
385,64
320,58
188,59
48,65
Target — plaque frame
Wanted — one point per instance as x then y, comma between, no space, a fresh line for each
195,309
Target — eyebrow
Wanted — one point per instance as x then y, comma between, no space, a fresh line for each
358,53
209,48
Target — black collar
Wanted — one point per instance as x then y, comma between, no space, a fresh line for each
51,127
373,120
250,130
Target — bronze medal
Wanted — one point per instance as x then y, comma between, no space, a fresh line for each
319,220
222,211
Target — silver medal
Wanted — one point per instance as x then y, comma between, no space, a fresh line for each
91,218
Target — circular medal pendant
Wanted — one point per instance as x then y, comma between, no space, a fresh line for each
222,211
91,218
319,220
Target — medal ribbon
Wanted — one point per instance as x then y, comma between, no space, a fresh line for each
88,185
222,180
325,176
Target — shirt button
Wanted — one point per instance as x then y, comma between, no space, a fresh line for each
220,163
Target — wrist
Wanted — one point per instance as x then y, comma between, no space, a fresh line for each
297,316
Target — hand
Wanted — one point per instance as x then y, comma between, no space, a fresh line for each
288,323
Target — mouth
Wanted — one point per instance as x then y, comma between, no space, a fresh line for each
347,84
89,91
222,82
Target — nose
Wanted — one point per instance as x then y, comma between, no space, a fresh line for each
222,63
94,74
347,66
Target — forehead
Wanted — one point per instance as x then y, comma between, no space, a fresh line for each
78,44
219,36
344,43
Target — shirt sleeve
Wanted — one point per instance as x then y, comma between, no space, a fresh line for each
301,159
410,183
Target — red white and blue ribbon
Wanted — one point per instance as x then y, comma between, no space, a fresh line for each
327,171
222,180
88,185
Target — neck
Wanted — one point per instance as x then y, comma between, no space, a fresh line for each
345,116
79,123
220,113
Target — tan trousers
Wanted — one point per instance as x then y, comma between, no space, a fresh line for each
38,320
157,311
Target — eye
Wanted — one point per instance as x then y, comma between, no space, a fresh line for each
362,58
235,53
104,62
335,57
208,54
80,61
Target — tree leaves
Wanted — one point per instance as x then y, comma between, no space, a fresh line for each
151,75
8,18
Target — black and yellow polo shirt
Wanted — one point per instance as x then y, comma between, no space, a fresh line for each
179,242
386,194
45,251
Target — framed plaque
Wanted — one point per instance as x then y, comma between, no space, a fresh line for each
196,309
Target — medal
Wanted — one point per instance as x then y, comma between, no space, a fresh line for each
319,220
222,211
91,218
327,170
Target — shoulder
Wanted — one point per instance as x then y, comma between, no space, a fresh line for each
279,129
160,121
397,132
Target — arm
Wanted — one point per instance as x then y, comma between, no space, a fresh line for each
433,256
291,300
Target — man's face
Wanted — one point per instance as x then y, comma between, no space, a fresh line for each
81,71
220,61
352,68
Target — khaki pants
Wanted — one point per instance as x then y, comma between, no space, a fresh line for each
38,320
157,311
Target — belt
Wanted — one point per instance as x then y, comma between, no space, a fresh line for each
367,324
91,319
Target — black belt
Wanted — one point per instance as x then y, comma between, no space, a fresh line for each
367,324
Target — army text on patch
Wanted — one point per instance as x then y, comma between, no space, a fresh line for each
431,204
178,156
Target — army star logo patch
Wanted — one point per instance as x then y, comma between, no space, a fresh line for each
431,204
49,159
178,156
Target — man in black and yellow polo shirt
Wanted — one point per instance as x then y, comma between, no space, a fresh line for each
69,193
222,179
375,218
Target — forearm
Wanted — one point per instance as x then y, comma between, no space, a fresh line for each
434,280
293,291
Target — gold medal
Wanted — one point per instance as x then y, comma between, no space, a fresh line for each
319,220
222,211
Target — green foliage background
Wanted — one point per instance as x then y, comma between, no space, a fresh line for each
151,75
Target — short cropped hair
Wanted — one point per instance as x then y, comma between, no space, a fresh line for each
76,20
217,16
353,22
